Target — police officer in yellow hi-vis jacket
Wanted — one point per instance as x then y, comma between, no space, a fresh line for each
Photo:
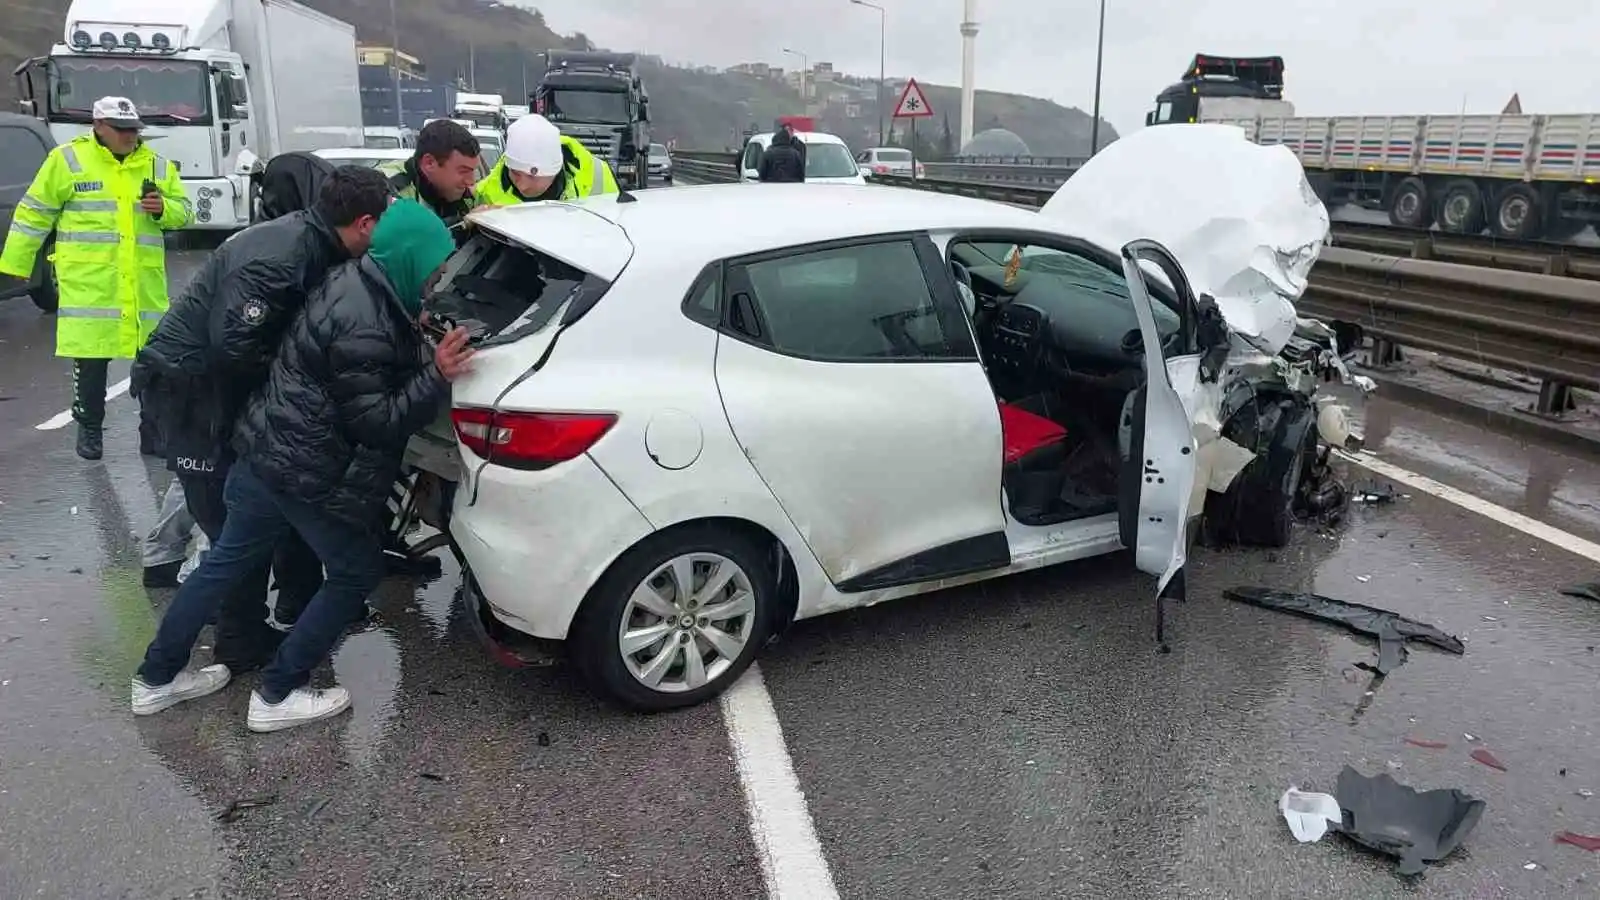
109,197
541,163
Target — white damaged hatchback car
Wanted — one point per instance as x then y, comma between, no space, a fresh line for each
692,422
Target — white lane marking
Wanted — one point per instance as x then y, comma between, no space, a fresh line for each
1529,526
791,856
60,419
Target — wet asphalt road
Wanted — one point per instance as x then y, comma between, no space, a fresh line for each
1020,739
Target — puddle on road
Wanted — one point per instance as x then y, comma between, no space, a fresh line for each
368,665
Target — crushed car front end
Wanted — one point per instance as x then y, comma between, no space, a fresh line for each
1247,228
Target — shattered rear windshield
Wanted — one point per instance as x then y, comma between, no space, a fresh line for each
502,292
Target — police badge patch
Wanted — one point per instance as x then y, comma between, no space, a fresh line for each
254,312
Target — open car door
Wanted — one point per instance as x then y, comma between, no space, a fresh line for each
1158,474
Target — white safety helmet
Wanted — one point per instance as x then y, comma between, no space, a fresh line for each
533,146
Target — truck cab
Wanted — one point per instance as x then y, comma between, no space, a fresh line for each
1223,87
599,99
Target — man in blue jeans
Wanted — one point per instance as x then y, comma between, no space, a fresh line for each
318,448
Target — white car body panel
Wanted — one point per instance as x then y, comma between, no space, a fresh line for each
859,482
1241,217
685,396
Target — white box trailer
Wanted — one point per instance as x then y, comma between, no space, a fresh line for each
304,75
1519,176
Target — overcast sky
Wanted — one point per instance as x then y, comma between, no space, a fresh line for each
1350,57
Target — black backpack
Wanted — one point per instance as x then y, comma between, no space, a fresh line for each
290,183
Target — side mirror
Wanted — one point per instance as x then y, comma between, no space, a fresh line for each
644,112
1149,118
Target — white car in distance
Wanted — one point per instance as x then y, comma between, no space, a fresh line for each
889,161
678,437
828,158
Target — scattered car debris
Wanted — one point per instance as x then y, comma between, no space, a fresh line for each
1417,827
1392,630
1426,745
1309,815
236,809
1582,841
1589,590
430,776
1488,759
1374,494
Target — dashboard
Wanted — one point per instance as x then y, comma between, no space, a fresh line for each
1059,324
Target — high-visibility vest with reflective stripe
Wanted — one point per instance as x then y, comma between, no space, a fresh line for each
587,174
109,257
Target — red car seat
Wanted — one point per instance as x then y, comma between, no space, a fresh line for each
1028,437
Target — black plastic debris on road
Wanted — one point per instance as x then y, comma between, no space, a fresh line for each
1416,827
1589,590
235,809
1392,630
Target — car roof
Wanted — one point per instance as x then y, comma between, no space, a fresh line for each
806,137
364,152
700,223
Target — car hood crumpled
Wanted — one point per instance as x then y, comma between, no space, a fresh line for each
1240,218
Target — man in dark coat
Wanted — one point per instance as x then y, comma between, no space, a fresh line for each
212,350
782,162
319,448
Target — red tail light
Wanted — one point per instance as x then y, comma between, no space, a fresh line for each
880,169
529,440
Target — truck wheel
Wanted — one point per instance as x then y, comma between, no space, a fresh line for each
1518,214
1410,207
45,293
1461,207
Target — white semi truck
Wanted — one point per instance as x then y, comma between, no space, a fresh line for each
223,85
1517,176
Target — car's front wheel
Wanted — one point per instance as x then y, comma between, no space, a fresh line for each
676,619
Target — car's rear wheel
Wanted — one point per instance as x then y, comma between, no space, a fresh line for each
677,618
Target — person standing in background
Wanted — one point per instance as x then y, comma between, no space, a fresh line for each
109,198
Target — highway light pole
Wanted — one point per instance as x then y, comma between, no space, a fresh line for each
883,58
1099,60
394,60
805,67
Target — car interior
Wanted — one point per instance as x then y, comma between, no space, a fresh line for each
1061,343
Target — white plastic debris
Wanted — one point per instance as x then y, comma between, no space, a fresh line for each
1240,217
1309,814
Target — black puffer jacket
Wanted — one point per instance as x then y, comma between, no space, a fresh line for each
354,379
782,162
213,347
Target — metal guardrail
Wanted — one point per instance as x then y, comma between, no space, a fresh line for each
1477,300
1017,171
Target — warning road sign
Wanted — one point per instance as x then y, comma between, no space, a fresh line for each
913,103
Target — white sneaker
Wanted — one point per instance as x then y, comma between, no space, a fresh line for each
303,705
188,685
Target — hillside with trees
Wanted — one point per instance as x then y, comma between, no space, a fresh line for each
494,46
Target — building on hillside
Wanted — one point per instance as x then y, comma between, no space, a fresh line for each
383,56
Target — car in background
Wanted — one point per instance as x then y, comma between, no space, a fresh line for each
492,145
828,158
24,144
890,161
660,162
388,137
